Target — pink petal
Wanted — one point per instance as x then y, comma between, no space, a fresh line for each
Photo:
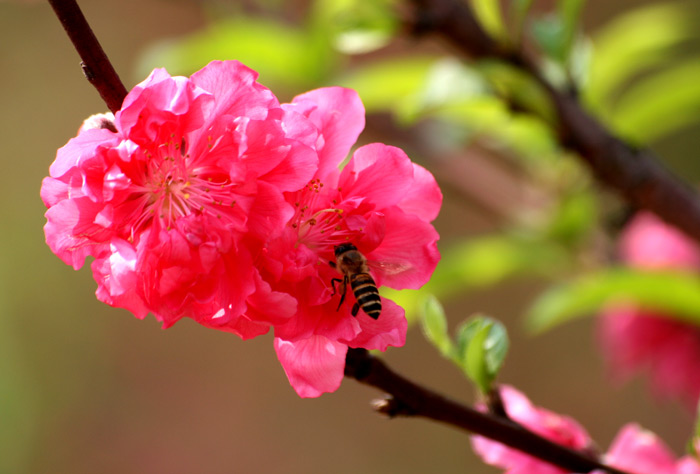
408,253
560,429
80,148
639,451
688,465
162,106
269,212
339,115
424,198
269,155
388,330
313,366
319,319
54,190
377,173
267,306
651,243
235,89
117,280
71,232
238,325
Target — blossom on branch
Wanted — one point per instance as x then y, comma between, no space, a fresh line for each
634,450
636,339
558,428
642,452
204,197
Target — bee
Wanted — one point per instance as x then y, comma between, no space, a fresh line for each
353,265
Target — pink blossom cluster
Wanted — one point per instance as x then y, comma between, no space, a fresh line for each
204,197
635,338
633,450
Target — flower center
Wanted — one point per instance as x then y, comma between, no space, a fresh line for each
177,185
318,222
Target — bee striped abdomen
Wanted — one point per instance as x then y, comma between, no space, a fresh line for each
366,293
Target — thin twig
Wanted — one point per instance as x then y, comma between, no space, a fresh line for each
411,399
96,66
637,175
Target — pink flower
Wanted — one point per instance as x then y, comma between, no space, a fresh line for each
560,429
642,452
380,202
633,338
203,197
173,198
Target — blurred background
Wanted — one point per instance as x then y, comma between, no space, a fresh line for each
86,388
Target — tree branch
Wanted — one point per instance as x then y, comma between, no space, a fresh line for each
637,175
96,66
410,399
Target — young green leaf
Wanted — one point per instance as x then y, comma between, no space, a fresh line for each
675,294
570,12
661,104
520,10
490,16
434,324
635,42
482,345
285,56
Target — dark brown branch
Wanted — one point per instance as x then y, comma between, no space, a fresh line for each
96,66
637,175
410,399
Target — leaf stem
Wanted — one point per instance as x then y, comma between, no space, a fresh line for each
96,66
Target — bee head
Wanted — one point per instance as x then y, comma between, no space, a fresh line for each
342,248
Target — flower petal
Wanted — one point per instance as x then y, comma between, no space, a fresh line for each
378,173
313,366
637,450
339,115
71,231
387,330
235,90
424,198
408,253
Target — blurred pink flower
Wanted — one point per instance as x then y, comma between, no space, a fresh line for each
642,452
380,202
203,197
633,338
560,429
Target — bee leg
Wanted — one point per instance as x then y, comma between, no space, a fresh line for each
333,265
355,309
333,282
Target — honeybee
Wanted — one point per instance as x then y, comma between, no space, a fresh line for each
355,270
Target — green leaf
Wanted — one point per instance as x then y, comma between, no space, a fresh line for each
389,84
549,32
675,294
482,345
574,217
356,26
518,88
482,262
520,11
434,324
661,104
570,12
634,42
284,56
489,14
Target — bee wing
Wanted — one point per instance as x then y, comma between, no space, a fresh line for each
390,268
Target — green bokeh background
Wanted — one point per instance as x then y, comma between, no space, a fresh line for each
85,388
